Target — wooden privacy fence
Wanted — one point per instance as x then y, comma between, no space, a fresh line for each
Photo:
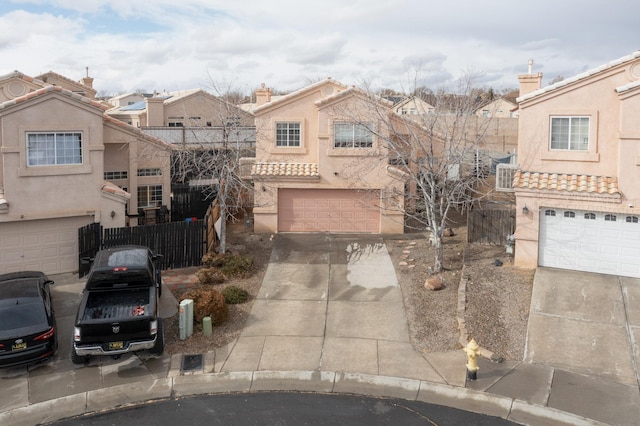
490,226
182,244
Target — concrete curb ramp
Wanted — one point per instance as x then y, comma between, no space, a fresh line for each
105,399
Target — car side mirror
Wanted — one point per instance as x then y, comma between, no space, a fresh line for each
49,282
158,257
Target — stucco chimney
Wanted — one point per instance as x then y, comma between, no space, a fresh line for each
263,95
155,111
87,81
529,82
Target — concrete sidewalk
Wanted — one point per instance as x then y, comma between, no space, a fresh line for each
330,318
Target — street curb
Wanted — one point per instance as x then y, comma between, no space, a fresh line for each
101,400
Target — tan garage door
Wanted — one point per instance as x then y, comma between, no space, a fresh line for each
47,245
328,210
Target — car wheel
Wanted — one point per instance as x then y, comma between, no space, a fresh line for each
77,359
158,347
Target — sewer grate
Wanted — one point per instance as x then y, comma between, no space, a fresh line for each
192,362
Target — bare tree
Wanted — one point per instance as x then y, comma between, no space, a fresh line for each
439,152
211,153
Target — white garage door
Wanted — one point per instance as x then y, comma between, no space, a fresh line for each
606,243
328,210
48,245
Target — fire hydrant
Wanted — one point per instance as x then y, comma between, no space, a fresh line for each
473,352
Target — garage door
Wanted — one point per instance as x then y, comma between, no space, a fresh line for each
48,245
606,243
328,210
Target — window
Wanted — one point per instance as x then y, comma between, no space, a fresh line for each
149,195
48,149
632,219
176,124
590,216
115,175
570,133
569,214
149,172
610,217
288,134
350,135
549,212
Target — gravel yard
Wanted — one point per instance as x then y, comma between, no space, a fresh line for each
497,297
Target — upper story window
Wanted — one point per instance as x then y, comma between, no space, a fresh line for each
150,172
570,133
116,175
48,149
288,134
351,135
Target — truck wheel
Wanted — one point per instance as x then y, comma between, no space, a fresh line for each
158,347
77,359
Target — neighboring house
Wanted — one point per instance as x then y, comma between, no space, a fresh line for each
499,108
577,192
320,168
84,87
413,106
65,164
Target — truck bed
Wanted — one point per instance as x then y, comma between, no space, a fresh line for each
117,305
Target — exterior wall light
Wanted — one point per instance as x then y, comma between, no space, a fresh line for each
525,210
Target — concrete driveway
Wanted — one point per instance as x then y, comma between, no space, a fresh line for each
586,323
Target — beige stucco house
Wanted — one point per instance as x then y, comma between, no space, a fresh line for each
499,108
65,164
413,106
577,192
321,167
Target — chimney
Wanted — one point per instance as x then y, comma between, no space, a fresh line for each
155,111
87,81
529,82
263,95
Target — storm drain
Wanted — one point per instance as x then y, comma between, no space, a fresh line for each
191,363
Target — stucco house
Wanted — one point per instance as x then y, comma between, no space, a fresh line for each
577,192
502,107
65,164
321,165
413,106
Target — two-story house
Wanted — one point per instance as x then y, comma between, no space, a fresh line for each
322,165
577,192
65,164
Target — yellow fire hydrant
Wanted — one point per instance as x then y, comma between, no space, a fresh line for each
473,352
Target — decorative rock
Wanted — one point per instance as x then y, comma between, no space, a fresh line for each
449,232
411,266
433,283
403,263
406,251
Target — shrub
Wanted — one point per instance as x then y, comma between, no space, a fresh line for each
209,276
214,260
237,265
234,295
207,302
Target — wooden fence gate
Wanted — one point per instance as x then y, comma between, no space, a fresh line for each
490,226
182,244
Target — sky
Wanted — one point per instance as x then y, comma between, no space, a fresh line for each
221,45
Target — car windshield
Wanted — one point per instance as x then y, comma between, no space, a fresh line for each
21,314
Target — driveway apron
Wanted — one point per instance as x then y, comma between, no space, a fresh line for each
329,302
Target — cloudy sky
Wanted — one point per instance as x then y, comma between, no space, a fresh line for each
172,45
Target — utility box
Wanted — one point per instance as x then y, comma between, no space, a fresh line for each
186,318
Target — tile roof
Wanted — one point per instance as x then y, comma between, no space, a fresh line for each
285,169
566,182
111,188
581,76
48,89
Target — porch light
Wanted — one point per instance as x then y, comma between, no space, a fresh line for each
525,210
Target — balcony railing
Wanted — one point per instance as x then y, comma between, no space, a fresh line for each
205,137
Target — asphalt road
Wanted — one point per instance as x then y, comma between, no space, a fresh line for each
282,409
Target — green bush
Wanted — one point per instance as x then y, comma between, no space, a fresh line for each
237,265
234,295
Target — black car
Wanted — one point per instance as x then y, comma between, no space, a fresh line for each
27,322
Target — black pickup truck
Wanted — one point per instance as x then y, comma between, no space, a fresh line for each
118,312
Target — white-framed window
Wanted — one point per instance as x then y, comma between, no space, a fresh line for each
352,135
570,214
610,217
116,175
149,195
150,172
549,212
570,133
631,219
50,149
590,216
288,134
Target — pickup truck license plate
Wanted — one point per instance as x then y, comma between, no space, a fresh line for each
19,346
114,346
